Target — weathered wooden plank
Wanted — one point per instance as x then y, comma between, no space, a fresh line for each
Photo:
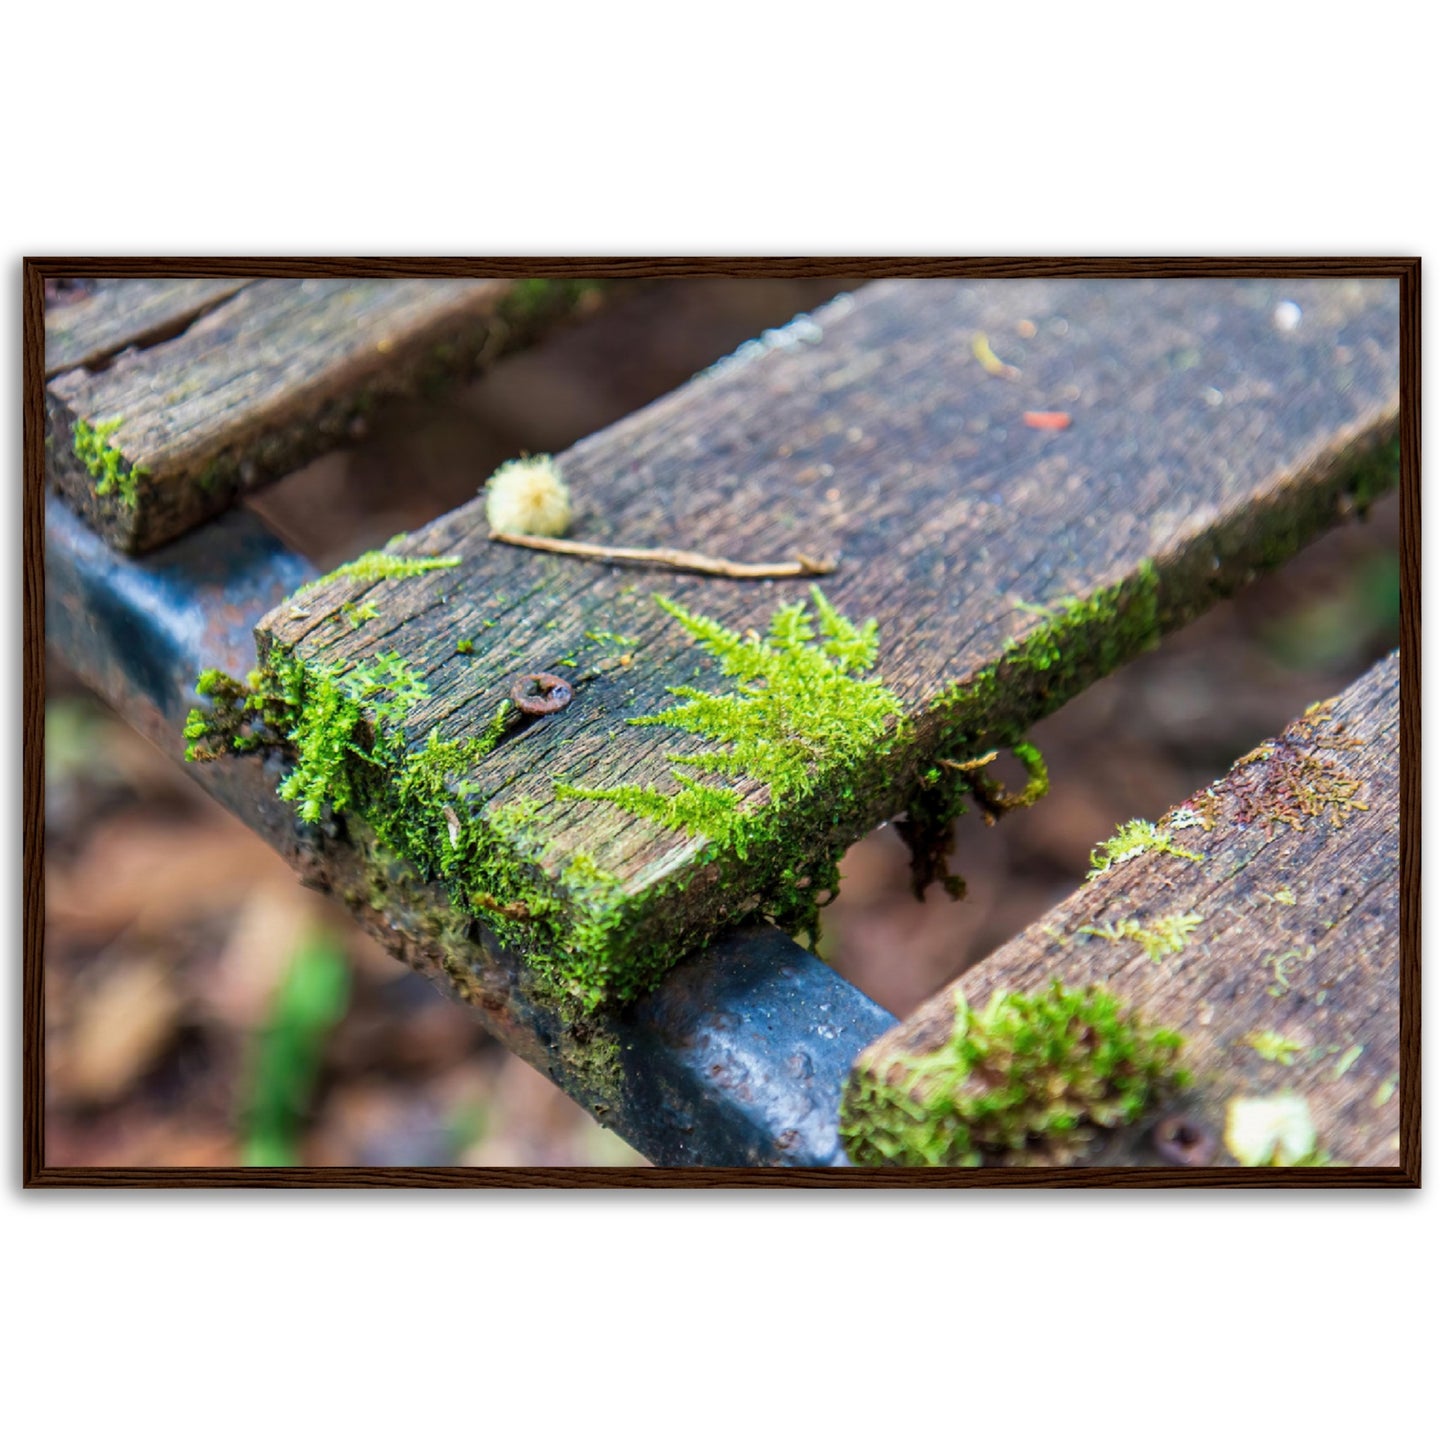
738,1058
1214,428
1274,951
111,315
169,435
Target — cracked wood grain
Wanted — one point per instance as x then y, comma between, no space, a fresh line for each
115,315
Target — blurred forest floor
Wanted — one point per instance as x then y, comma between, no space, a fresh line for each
204,1009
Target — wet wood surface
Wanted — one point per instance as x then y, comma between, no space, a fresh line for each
220,387
1212,428
1289,982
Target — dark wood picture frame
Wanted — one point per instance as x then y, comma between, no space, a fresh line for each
35,1173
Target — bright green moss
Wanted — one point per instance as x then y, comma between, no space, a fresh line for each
345,730
358,612
1029,1079
105,462
1122,619
318,712
1131,840
805,721
380,566
1158,938
1272,1047
802,711
241,717
328,706
801,702
697,808
1074,642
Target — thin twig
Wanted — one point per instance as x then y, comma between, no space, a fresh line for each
804,566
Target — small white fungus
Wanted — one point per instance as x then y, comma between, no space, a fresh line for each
530,497
1276,1130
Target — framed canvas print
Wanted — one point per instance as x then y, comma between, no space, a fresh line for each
865,722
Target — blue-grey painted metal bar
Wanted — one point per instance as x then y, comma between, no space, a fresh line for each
738,1059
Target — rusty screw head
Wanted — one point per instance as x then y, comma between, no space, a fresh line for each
541,692
1180,1140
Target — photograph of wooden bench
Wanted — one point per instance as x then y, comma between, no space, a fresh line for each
991,493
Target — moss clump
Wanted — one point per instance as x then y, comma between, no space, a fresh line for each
317,712
992,796
424,786
941,797
1121,619
1158,938
327,732
345,729
1131,840
1029,1079
1291,780
805,722
1292,785
927,828
241,718
104,462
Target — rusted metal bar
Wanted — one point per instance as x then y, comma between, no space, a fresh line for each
738,1059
